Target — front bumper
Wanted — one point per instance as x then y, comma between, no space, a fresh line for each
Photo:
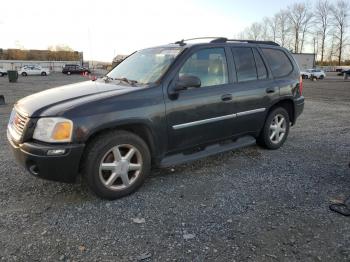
33,156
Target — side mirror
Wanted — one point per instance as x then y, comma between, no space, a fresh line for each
186,81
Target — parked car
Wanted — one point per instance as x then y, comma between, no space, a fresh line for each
160,107
317,73
75,69
30,70
344,72
3,72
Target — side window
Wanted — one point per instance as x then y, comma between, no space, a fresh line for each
260,66
279,62
245,64
209,65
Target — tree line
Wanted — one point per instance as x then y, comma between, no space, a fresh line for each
324,26
39,55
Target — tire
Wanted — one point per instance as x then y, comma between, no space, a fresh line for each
1,74
265,138
110,178
24,74
43,73
68,73
321,77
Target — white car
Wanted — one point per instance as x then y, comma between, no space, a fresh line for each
309,73
33,70
3,72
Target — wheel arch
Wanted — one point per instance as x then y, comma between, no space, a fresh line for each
287,104
138,128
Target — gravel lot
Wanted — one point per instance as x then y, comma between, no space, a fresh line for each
248,205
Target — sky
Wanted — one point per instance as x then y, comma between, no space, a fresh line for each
103,29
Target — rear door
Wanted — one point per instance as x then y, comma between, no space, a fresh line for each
201,115
36,70
254,90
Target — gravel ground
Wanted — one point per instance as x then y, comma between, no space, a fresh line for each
248,205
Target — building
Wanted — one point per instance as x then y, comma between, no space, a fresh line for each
14,59
305,60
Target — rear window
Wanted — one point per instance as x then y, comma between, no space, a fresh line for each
279,62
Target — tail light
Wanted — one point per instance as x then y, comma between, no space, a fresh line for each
300,85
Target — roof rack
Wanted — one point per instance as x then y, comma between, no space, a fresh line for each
183,41
225,40
251,41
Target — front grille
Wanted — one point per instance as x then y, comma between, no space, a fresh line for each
18,122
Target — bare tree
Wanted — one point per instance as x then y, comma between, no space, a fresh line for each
265,29
273,24
322,17
299,19
282,27
340,15
331,49
305,29
254,31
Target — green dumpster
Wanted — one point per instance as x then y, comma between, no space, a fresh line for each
12,75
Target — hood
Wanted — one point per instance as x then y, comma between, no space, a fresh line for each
35,104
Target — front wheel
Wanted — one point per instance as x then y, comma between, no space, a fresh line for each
43,73
275,130
116,164
24,74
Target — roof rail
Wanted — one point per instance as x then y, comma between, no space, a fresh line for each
254,42
182,42
224,40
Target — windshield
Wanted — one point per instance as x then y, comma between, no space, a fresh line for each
145,66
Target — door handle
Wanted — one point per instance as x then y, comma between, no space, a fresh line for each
226,97
271,90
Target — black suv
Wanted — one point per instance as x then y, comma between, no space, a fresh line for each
75,69
160,107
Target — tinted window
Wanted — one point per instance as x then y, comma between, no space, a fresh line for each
245,64
209,65
260,66
279,62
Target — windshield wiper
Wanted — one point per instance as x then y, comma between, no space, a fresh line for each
107,78
124,79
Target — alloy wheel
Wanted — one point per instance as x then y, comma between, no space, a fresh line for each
120,167
278,129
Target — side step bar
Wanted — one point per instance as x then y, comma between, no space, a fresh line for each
208,151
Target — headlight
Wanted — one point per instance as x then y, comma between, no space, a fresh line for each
53,130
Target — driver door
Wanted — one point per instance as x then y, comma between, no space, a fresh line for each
197,116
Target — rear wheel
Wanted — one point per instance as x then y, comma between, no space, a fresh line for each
321,76
68,73
116,164
275,130
43,73
24,74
